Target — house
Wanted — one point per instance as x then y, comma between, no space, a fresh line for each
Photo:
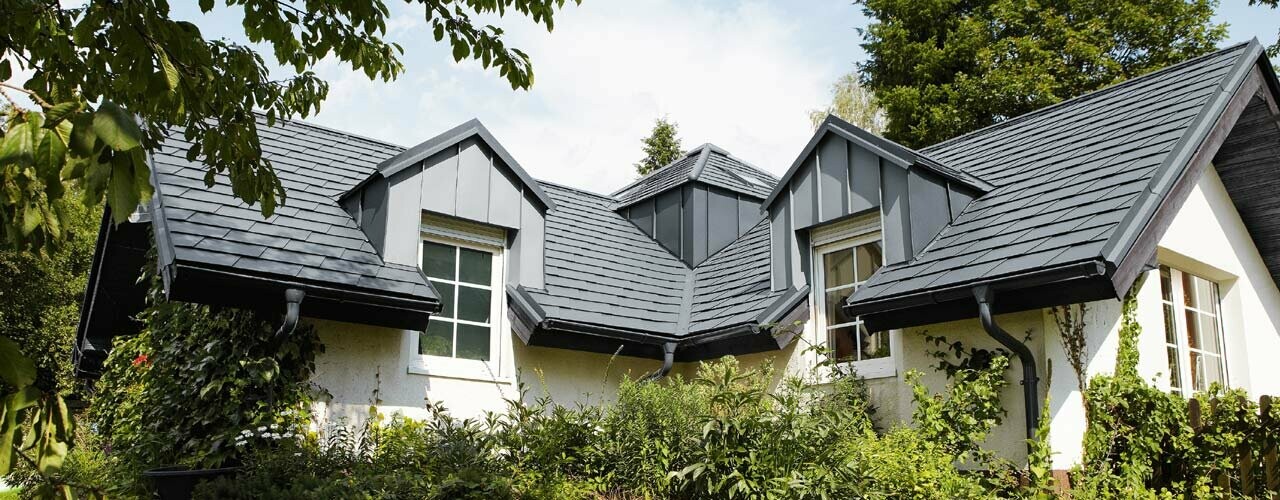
445,272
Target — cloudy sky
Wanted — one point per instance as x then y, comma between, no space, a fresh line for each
741,75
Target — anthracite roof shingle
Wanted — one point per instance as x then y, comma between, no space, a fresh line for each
707,163
309,238
1065,178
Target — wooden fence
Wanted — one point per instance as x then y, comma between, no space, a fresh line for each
1252,479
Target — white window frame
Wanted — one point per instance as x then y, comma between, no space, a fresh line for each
468,369
1183,348
870,368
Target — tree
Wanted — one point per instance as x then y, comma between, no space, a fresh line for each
1273,50
112,79
661,147
853,103
942,68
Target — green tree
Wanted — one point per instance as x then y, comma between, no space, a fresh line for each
111,79
942,68
1273,50
853,103
661,147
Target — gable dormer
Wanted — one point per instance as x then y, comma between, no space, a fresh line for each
698,204
461,184
845,172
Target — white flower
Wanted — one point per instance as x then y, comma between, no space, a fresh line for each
275,426
298,454
262,429
288,435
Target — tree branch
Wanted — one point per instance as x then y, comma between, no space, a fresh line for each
35,97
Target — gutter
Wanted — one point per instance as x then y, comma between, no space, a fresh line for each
1086,269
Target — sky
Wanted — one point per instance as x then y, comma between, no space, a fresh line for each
741,75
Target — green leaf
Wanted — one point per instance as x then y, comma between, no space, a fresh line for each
122,192
206,5
83,139
50,156
115,127
170,72
15,368
61,111
17,146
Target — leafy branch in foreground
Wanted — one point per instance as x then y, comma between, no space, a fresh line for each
110,80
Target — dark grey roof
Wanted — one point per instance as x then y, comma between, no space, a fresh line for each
1072,182
309,240
602,270
405,158
707,163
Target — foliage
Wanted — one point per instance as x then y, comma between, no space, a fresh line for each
1071,332
942,68
35,425
661,147
853,103
87,472
111,79
727,433
1273,50
959,421
181,390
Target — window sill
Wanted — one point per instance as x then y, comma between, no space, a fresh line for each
471,374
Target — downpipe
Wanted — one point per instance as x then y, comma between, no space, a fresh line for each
668,359
293,307
1030,382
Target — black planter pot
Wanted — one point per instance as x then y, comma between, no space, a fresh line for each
178,482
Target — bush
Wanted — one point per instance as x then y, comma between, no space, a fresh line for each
181,390
720,435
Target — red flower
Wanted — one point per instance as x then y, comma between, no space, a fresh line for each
140,360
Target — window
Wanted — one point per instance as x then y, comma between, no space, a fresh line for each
464,327
842,268
1192,330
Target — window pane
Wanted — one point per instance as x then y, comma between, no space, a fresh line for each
1198,382
1212,366
475,267
437,260
473,342
446,298
1208,330
838,268
840,341
835,309
1205,294
1170,328
1193,330
437,340
869,260
874,345
473,304
1189,291
1166,284
1175,368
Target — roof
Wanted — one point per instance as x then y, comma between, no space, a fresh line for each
405,158
603,270
897,154
707,163
1072,183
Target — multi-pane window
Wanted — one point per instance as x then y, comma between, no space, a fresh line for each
1192,330
464,326
844,269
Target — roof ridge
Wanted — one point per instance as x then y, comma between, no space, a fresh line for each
1087,95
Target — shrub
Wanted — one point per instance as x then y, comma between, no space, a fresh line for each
181,390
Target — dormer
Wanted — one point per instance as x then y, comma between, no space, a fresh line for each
847,174
460,185
698,204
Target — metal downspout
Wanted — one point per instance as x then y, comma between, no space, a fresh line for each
293,306
1030,382
668,359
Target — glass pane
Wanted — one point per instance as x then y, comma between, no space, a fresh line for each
1197,372
437,340
1166,284
1170,330
840,340
835,311
1175,368
446,298
475,266
1193,330
437,260
473,342
473,304
874,345
1204,294
1189,291
1208,333
869,260
838,268
1212,366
